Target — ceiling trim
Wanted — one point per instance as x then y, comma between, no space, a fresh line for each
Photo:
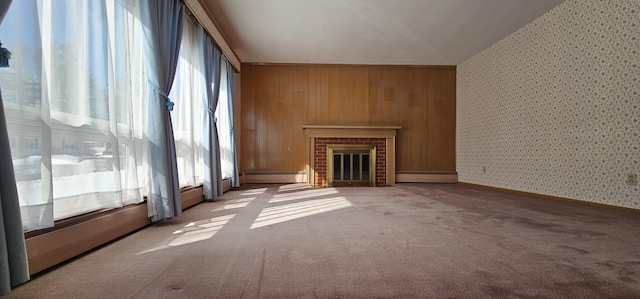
205,18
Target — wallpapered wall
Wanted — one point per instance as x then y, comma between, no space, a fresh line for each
554,108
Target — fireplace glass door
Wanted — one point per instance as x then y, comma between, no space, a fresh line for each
351,165
351,169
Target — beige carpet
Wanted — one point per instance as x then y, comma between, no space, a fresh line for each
411,240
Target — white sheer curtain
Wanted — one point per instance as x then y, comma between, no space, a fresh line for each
188,95
224,124
234,179
73,97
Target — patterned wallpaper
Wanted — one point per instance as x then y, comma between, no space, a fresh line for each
554,108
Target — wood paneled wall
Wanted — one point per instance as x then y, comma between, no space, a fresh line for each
276,100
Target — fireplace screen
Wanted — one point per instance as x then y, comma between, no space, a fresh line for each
351,165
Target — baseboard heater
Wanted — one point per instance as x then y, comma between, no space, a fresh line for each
274,177
72,237
426,176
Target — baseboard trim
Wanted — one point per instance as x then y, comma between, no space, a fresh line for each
551,197
274,177
426,177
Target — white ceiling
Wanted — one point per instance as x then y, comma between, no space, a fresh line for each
399,32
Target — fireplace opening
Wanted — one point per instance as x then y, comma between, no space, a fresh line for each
351,165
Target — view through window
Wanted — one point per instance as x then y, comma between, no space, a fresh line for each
75,101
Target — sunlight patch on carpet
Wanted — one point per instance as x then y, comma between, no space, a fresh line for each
200,230
256,191
290,187
235,204
195,232
279,214
303,194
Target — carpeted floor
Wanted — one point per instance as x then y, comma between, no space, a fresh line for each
411,240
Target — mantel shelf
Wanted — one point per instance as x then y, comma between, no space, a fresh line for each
370,127
351,131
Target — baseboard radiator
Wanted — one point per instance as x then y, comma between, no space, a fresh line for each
72,237
426,177
272,177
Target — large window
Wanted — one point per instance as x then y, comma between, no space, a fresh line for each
189,96
224,125
75,101
74,84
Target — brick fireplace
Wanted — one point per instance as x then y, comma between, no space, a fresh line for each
320,137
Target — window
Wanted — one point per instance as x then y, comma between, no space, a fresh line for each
189,96
71,92
75,101
33,143
224,126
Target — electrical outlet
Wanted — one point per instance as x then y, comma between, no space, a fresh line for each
632,179
484,169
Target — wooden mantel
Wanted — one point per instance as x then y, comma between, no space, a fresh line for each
357,131
388,132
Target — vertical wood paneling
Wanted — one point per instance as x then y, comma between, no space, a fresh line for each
262,118
237,114
399,96
347,92
248,119
441,121
278,99
318,95
338,111
412,141
300,96
276,123
360,95
309,114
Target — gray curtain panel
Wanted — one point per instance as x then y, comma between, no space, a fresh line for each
235,179
162,26
212,187
4,8
14,268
